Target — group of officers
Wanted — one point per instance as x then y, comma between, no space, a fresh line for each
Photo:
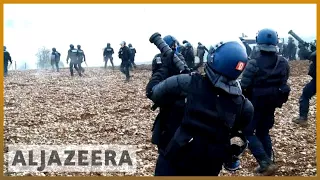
200,114
290,50
77,57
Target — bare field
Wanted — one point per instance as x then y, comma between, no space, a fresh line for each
44,107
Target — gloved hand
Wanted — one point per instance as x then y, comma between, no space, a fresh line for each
168,59
185,71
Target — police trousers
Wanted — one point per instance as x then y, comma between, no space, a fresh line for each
106,58
308,92
6,63
124,68
257,132
55,63
198,157
76,66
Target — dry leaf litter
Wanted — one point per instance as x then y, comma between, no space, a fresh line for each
46,108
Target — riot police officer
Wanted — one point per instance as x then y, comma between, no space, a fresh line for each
7,59
55,59
81,58
170,114
73,55
124,55
107,54
215,109
291,49
132,55
200,53
308,92
189,55
264,82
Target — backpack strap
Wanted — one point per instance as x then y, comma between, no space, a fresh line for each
275,67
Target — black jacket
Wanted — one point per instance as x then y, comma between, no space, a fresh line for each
313,66
124,53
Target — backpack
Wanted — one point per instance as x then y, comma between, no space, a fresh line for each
53,57
283,91
58,56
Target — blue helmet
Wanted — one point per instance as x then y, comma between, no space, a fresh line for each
267,40
188,45
228,59
170,40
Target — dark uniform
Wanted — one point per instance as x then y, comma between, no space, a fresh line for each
285,51
81,58
292,49
215,108
74,62
170,114
181,49
124,55
188,55
7,59
308,92
107,54
264,82
200,53
303,52
132,55
55,59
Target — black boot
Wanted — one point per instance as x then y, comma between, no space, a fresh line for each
266,168
303,121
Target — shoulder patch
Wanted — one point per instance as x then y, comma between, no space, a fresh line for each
240,66
158,60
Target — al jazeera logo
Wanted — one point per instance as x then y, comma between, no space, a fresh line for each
72,158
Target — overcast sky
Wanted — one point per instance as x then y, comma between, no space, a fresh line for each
30,26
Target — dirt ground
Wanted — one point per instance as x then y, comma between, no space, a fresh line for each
44,107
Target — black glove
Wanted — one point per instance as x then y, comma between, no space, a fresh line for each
167,60
185,71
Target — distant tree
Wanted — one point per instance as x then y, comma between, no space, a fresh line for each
43,56
44,60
